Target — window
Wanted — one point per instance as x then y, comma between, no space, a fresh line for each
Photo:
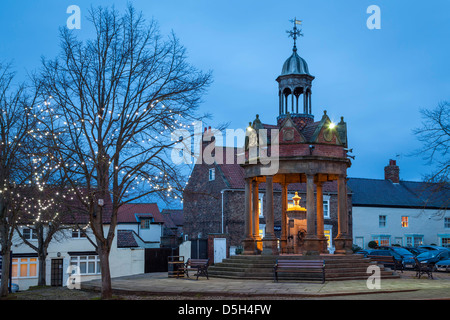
404,222
29,234
24,267
445,242
382,240
145,223
260,206
212,174
77,233
87,264
447,223
414,240
381,221
326,207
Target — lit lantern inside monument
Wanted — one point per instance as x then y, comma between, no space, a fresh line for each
296,206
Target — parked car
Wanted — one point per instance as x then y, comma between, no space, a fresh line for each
443,265
379,252
433,248
406,256
433,256
415,251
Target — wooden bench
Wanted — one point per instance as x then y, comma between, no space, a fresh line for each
387,261
199,265
422,268
299,266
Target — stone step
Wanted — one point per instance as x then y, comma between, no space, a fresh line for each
256,276
261,267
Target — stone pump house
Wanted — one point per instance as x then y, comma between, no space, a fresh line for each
310,153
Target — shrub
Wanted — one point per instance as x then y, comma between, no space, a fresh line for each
372,244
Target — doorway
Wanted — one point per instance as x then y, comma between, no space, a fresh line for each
220,249
57,272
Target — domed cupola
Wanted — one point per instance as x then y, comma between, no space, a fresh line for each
294,83
295,65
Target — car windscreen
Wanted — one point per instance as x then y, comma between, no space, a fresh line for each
402,251
428,254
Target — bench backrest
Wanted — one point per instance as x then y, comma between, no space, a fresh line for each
382,258
302,263
198,262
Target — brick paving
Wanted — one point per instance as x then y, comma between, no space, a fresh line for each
405,287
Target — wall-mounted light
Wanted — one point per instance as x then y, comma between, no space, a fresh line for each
311,148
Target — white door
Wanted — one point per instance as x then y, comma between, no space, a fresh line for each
220,249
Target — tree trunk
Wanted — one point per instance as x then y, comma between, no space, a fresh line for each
106,274
5,272
42,263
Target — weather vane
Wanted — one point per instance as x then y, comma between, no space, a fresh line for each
295,32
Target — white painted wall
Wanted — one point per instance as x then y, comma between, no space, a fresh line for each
123,261
185,250
426,222
153,234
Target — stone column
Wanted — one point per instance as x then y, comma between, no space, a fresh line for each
292,108
269,241
311,208
284,198
248,242
255,205
311,244
342,242
320,222
309,102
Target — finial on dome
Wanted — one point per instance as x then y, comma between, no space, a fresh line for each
295,32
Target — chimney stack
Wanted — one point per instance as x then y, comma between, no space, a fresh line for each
392,172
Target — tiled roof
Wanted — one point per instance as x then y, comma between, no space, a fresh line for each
373,192
126,239
175,216
76,212
131,212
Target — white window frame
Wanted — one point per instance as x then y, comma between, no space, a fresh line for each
445,243
382,223
212,174
326,203
261,205
18,262
79,234
406,222
382,238
414,240
447,222
31,236
145,223
78,260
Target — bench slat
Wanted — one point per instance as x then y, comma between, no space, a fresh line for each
299,266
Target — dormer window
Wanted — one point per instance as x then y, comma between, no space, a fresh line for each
212,174
145,223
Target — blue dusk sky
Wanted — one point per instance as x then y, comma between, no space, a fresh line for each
378,80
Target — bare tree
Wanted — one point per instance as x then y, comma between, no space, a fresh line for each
434,134
16,148
111,105
45,214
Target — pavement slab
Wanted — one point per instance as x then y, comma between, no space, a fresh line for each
161,284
